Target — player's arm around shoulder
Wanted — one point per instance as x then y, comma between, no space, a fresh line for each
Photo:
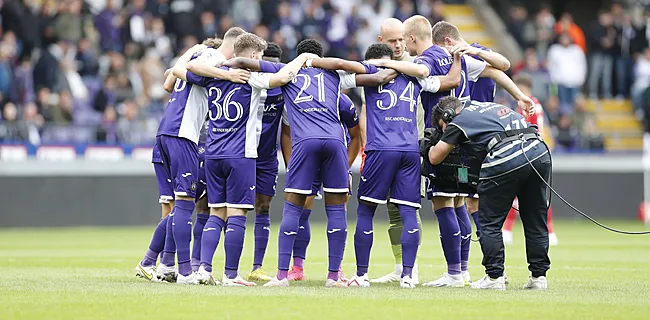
405,67
338,64
378,78
447,82
289,71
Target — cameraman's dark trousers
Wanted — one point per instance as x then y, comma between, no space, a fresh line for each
497,195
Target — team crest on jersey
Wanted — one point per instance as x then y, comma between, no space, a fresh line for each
201,150
193,186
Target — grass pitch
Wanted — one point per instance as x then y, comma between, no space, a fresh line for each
87,273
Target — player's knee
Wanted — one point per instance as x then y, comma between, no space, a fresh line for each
166,209
459,202
262,204
202,205
295,198
472,205
332,199
442,202
219,212
186,198
233,212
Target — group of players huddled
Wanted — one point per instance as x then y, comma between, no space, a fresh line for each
216,152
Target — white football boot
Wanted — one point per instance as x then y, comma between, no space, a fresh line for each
189,279
205,277
407,283
166,273
359,281
466,277
335,284
236,282
148,273
277,283
391,277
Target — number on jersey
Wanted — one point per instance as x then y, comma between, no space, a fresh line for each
517,124
301,97
225,109
406,96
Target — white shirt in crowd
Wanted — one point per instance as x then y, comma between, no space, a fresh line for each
567,65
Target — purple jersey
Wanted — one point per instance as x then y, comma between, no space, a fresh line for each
391,114
273,104
188,105
235,115
483,89
439,61
312,102
348,114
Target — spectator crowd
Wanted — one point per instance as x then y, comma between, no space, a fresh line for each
92,71
609,59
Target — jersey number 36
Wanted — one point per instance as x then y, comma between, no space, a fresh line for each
225,110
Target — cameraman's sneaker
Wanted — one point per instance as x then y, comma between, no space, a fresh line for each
148,273
538,283
447,280
205,277
359,281
486,283
166,273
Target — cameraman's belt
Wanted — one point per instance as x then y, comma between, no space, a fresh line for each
503,138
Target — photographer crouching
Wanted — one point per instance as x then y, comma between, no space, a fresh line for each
512,151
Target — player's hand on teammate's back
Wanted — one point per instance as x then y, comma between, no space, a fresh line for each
238,75
527,104
464,49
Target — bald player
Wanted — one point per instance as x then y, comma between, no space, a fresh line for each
391,33
435,60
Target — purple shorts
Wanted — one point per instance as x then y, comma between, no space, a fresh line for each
266,176
202,186
394,173
164,183
308,157
231,182
181,160
318,185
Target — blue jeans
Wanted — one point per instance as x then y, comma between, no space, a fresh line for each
601,68
624,65
567,97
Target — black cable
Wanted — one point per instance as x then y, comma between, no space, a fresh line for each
567,202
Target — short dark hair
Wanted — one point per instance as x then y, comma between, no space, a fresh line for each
378,51
309,46
444,103
249,41
233,33
273,50
444,29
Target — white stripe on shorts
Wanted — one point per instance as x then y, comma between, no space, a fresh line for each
217,205
406,203
240,205
334,190
373,200
298,191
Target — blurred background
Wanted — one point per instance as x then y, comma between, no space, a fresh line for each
81,85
